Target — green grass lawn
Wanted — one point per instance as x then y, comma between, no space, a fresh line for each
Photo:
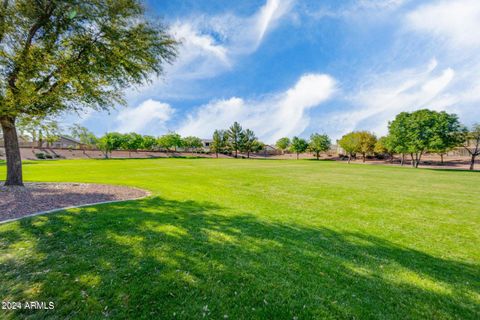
251,239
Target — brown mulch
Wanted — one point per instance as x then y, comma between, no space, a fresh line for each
16,202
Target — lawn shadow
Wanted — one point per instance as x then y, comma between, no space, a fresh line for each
184,259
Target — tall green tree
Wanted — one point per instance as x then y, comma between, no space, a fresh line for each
471,143
219,142
298,145
69,55
398,136
319,143
283,144
149,142
448,133
248,142
424,131
350,142
132,142
235,138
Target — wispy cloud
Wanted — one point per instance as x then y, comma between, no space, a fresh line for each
148,117
457,21
385,95
271,117
211,44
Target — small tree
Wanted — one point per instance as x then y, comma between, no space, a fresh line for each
109,142
248,142
472,143
192,143
132,141
298,145
351,144
220,142
169,141
382,146
283,144
149,143
366,143
319,143
235,138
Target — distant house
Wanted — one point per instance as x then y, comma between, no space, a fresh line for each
271,150
207,143
66,142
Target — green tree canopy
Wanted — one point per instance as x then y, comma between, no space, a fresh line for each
366,143
235,138
149,142
169,141
298,145
249,140
111,141
192,143
69,55
319,143
350,142
424,130
132,141
283,144
219,142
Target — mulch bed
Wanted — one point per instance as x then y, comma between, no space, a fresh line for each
16,202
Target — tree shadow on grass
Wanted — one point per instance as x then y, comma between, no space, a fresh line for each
158,258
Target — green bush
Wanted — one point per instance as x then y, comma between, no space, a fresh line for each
40,155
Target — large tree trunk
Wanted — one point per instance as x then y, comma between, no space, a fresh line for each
472,162
318,155
349,158
441,157
12,151
403,160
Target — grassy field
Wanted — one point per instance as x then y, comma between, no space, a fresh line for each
251,239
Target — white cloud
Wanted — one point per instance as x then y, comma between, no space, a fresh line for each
148,117
386,95
272,117
457,21
210,44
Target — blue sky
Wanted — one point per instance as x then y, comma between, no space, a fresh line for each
294,67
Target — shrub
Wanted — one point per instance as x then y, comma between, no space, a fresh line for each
40,155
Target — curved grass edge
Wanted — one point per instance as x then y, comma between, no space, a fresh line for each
147,194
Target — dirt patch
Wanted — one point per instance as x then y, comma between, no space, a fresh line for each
16,202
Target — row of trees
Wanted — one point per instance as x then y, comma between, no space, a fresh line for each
133,141
235,140
318,143
415,134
